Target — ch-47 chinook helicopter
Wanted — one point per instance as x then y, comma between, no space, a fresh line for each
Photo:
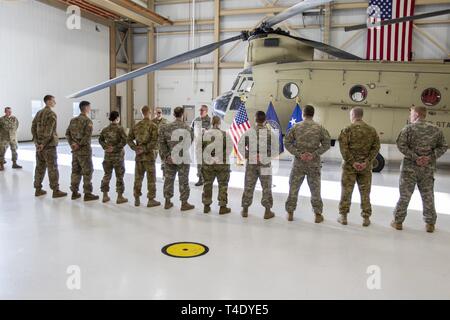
282,66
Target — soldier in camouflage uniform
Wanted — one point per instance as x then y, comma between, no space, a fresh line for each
8,129
359,144
259,145
159,120
175,139
78,135
307,141
421,143
216,165
143,139
113,140
43,130
201,123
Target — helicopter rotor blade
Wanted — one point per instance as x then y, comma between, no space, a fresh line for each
292,11
158,65
398,20
335,52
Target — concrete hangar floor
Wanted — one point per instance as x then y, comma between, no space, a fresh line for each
115,251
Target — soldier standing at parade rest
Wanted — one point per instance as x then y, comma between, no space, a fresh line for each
113,140
143,139
307,141
204,121
256,145
216,149
8,137
43,130
359,144
421,143
159,120
79,135
175,154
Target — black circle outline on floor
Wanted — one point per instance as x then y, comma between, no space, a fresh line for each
164,249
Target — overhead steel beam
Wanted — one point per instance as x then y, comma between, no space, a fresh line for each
130,12
84,13
146,12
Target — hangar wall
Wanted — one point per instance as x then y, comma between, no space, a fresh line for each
35,43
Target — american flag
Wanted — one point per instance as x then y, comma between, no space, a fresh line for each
391,42
239,127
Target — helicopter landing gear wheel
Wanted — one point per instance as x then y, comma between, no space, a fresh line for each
378,163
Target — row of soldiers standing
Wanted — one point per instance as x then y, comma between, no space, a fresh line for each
420,142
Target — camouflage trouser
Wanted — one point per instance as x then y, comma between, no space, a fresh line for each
200,172
424,178
47,159
298,173
210,173
119,168
170,172
364,181
142,168
253,172
82,167
4,147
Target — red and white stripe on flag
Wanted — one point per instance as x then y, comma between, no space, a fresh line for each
239,126
392,42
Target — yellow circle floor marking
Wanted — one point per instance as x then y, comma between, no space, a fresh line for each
185,250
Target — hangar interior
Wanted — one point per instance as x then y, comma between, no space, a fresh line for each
46,49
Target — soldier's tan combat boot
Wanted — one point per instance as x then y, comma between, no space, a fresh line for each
224,210
429,228
206,209
2,167
106,197
268,214
186,206
290,216
90,197
59,194
76,195
366,222
244,212
319,218
40,192
153,203
168,204
16,166
137,201
342,219
121,199
396,225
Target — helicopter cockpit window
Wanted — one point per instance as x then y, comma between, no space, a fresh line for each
236,82
431,97
358,93
246,85
221,103
236,103
290,91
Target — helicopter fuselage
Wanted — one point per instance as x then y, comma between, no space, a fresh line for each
386,91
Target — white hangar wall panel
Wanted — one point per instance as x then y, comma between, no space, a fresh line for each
39,56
